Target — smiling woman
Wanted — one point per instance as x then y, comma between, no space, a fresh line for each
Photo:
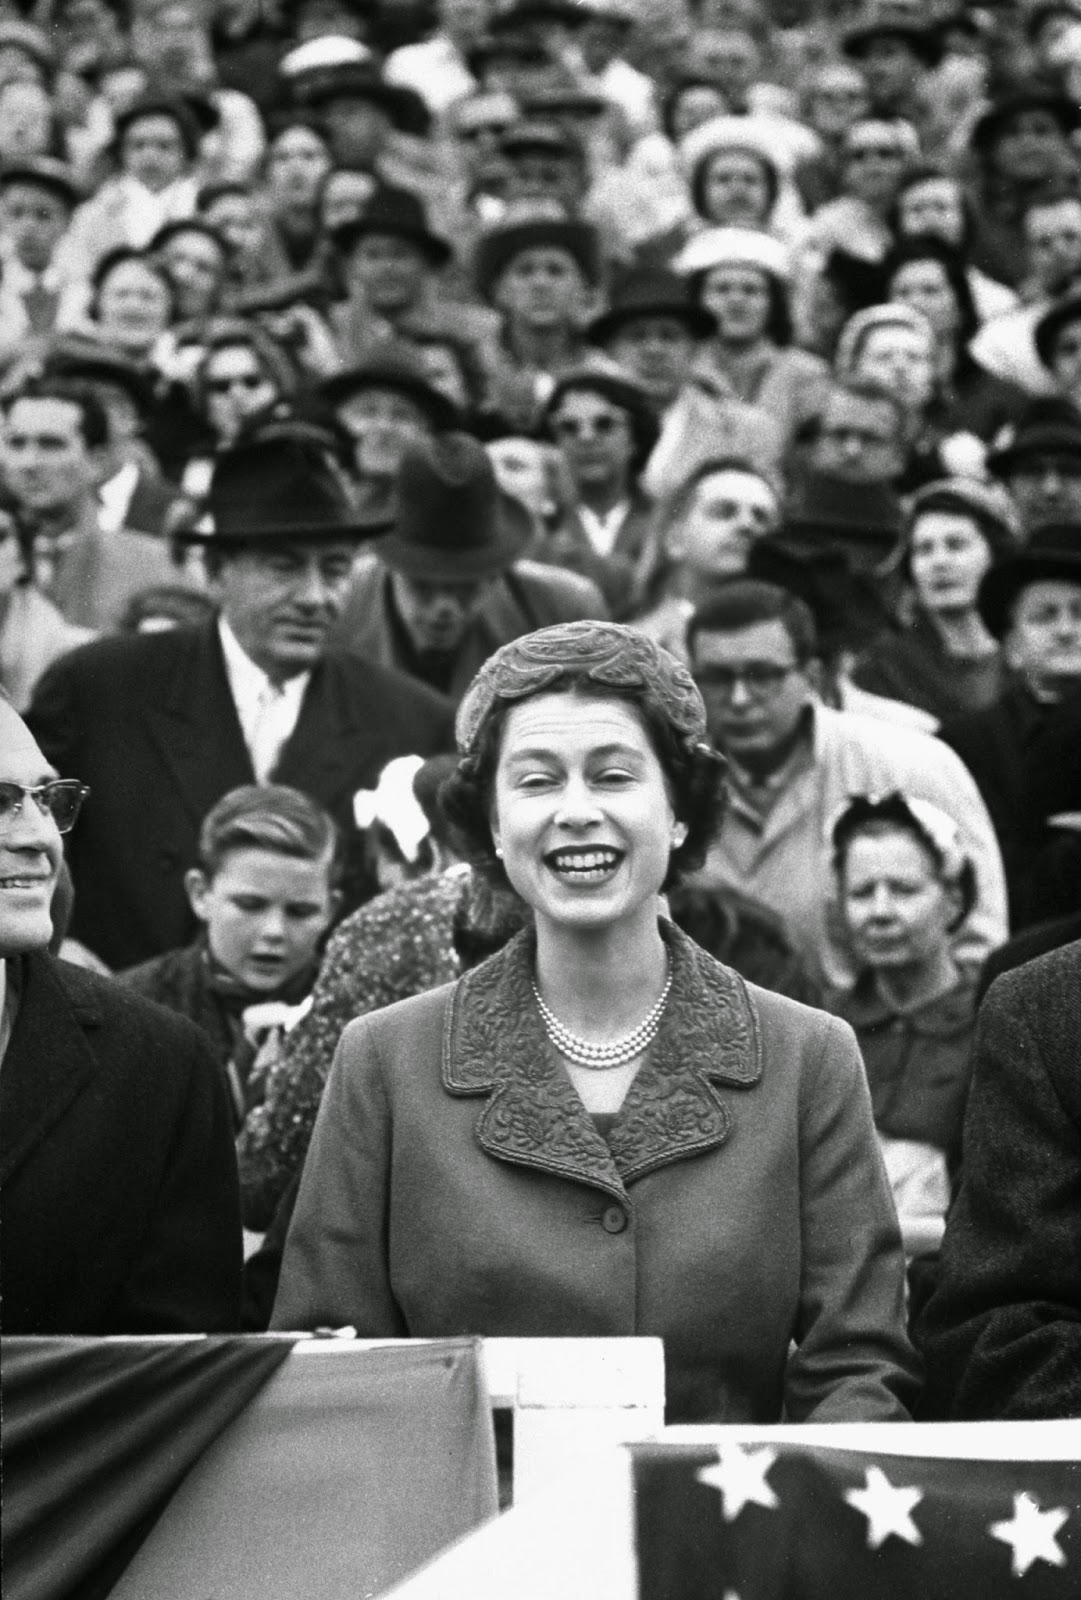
602,1130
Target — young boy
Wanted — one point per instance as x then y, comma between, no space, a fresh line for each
265,890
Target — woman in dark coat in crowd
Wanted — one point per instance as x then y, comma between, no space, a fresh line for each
602,1130
903,886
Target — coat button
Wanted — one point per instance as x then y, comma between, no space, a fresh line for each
614,1220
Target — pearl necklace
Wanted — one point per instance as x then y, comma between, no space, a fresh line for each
600,1056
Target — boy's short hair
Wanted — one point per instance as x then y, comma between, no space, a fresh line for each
269,817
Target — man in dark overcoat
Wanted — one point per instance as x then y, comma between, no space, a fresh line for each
1031,601
1002,1333
162,725
119,1202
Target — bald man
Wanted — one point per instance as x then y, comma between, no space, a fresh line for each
119,1205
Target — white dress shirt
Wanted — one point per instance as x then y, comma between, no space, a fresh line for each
267,711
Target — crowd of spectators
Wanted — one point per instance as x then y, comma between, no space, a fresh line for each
342,344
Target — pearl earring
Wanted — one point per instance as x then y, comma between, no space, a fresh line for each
499,851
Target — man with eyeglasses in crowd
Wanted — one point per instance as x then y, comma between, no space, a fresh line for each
794,763
119,1201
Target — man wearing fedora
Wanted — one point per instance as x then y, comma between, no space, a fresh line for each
1039,463
393,264
655,329
37,199
1031,601
539,273
449,585
385,402
162,725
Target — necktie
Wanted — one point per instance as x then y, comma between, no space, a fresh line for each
268,732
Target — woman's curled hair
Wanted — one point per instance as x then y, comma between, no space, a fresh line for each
694,774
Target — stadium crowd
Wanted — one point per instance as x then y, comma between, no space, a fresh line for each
344,343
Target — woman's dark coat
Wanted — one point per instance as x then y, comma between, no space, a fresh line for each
455,1184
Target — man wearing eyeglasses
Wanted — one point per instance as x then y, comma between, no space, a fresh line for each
794,763
119,1203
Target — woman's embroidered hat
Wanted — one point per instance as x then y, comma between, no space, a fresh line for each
606,654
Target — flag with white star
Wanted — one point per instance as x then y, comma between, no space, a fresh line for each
790,1522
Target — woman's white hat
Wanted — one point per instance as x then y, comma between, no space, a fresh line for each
747,247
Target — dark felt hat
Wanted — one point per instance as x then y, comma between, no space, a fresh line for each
1031,96
75,355
539,133
1054,551
177,107
360,80
281,488
894,19
401,214
866,520
621,390
1051,324
47,173
651,292
451,520
497,249
1047,427
396,367
847,609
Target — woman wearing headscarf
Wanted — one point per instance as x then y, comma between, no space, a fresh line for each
602,1130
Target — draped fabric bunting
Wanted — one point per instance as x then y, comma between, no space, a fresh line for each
96,1436
328,1476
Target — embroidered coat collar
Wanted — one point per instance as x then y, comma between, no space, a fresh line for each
495,1045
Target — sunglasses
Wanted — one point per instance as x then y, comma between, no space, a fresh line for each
62,800
885,152
250,381
578,427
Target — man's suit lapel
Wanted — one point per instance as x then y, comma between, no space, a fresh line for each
320,754
47,1064
196,729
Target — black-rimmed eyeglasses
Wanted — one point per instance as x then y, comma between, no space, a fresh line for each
62,800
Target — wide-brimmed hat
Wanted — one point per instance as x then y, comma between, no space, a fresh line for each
451,519
401,214
1049,426
359,80
651,292
394,366
176,107
621,390
897,19
1032,96
47,173
1051,324
744,247
278,489
864,519
497,248
1054,551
